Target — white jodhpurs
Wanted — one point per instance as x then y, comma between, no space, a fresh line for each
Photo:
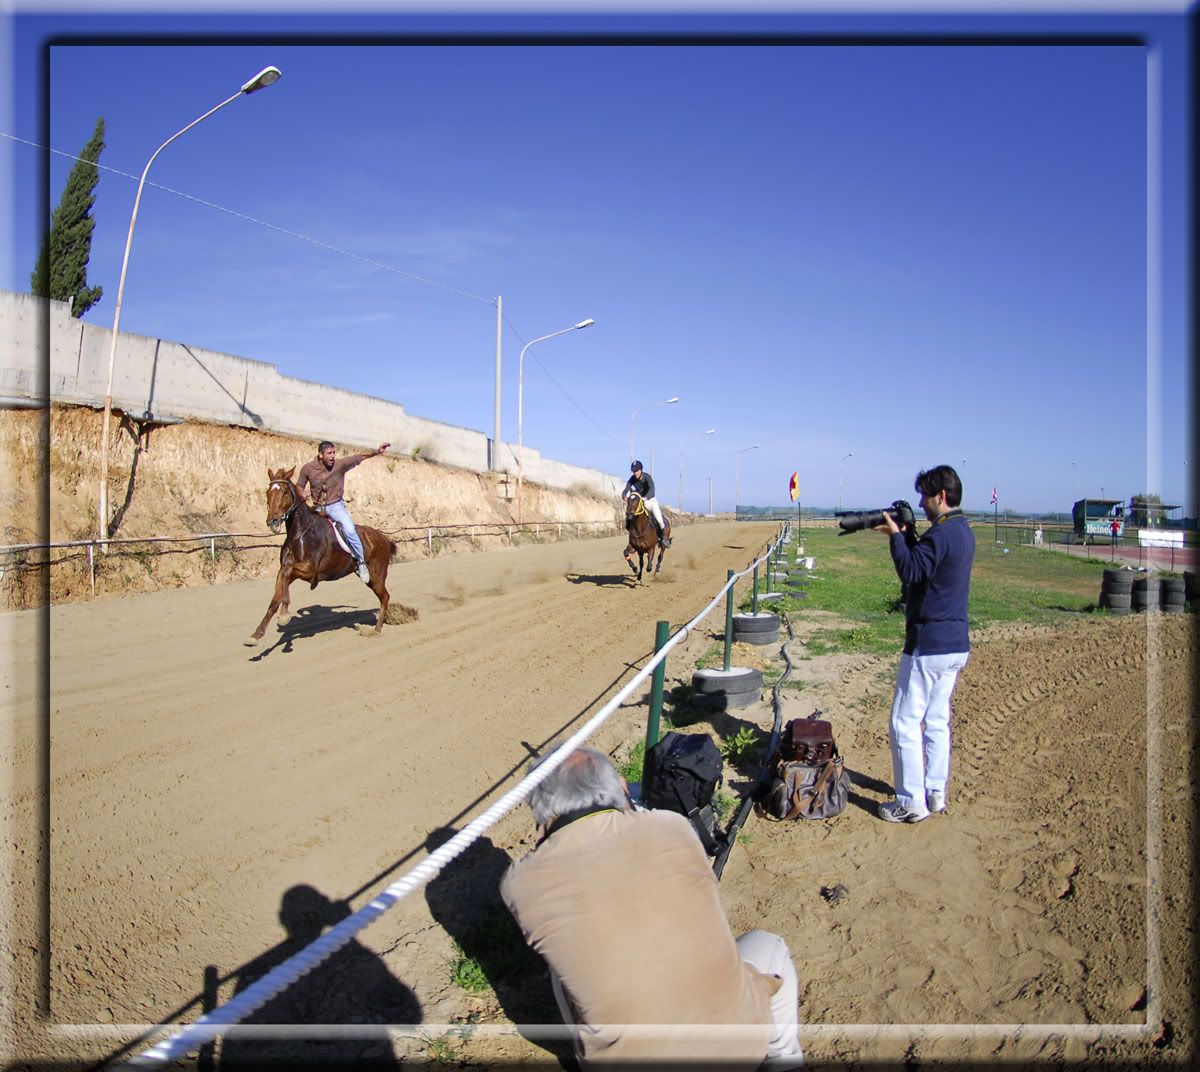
655,511
919,730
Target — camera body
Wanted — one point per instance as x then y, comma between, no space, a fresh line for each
901,512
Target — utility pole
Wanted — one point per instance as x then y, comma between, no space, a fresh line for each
495,458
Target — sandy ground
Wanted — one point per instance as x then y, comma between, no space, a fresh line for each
211,807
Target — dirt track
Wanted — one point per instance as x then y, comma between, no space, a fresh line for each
194,781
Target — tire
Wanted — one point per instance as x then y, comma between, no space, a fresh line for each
1146,584
1119,610
1115,599
1118,580
759,639
762,622
1173,587
1172,608
727,682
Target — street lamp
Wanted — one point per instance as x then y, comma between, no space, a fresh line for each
737,476
521,401
841,471
1075,468
260,81
665,402
710,431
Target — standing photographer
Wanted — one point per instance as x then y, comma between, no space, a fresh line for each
937,569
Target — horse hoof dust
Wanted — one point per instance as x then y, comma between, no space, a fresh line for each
399,614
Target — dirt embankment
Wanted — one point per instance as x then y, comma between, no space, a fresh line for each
193,478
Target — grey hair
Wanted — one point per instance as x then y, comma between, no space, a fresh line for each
587,779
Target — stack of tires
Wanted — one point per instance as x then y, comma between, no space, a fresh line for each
739,686
1173,592
1116,590
1146,593
760,628
1189,586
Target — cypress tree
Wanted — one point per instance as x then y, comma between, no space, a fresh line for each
61,270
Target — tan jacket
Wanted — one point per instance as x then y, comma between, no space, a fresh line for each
625,909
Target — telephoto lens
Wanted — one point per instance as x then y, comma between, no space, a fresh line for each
857,522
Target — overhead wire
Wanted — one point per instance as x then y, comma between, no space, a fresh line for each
252,219
321,245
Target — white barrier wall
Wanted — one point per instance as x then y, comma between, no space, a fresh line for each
156,379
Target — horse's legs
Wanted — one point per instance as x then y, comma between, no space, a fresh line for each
377,585
629,560
283,581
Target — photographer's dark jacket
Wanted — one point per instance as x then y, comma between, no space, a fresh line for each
937,569
644,487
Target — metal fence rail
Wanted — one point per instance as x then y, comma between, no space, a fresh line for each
17,555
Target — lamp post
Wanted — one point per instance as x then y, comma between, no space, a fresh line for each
710,431
1075,469
841,473
652,405
521,402
261,80
737,476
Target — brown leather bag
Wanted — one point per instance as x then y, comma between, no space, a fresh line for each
807,740
809,779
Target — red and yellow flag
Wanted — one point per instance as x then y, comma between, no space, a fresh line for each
794,486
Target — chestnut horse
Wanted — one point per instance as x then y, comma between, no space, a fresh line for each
311,551
643,536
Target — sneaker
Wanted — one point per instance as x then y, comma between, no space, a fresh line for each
936,799
894,812
364,574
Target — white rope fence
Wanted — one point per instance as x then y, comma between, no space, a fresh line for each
210,1025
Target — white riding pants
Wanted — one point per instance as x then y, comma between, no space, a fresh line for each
919,729
655,511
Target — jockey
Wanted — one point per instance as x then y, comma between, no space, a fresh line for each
643,484
325,477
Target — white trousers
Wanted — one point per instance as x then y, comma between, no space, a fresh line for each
764,952
919,730
654,508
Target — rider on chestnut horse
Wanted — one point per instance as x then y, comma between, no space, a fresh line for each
325,476
643,484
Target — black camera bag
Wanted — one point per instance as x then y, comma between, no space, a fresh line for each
680,774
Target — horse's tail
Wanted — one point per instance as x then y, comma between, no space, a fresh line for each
391,549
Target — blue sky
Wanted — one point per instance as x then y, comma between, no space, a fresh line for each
917,253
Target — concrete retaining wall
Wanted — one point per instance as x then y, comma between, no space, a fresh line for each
156,379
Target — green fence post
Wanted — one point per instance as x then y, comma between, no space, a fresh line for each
656,686
728,619
754,601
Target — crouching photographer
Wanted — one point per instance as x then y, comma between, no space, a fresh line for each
624,907
936,568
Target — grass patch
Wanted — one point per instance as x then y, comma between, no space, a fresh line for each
492,950
855,579
741,747
723,804
631,768
713,658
